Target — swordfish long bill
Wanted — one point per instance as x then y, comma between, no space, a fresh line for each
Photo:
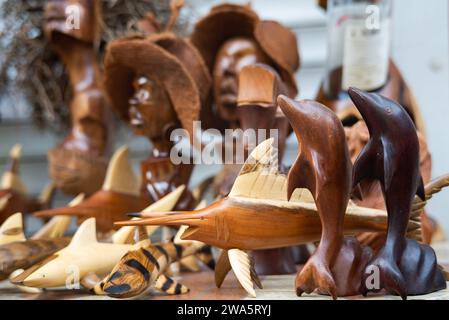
258,215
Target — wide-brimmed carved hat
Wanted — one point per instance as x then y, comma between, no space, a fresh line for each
164,56
228,21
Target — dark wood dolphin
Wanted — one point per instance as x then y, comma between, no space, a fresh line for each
392,157
323,166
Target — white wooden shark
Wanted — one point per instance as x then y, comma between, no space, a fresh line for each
85,257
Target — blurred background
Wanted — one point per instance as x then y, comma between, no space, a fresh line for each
420,49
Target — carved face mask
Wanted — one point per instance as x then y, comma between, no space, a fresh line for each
150,109
74,18
231,58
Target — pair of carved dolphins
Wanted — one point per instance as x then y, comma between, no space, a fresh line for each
266,210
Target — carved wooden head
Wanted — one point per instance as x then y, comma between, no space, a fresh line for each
233,56
151,112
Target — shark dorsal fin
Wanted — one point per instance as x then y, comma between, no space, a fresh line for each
11,178
260,178
12,229
120,176
85,235
167,203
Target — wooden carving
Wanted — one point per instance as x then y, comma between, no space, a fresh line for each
158,84
82,248
249,69
14,195
371,192
17,252
392,157
246,40
324,168
145,266
257,215
83,252
78,164
119,194
396,89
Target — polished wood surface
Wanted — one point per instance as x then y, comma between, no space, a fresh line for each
324,168
78,164
392,157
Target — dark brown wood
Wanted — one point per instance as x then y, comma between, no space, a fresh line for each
371,191
78,164
391,156
323,166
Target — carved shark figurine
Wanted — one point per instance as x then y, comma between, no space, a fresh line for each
119,195
92,258
258,215
14,195
16,252
392,157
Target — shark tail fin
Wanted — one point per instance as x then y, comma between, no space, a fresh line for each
418,205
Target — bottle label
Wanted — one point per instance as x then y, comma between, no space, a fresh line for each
366,55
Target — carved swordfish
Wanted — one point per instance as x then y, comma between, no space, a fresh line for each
257,215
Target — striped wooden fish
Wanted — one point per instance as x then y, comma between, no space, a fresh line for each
145,266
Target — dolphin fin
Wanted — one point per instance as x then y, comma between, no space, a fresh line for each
85,235
364,165
301,176
241,265
12,229
222,268
170,286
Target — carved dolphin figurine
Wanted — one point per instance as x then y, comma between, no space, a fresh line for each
392,157
323,166
258,215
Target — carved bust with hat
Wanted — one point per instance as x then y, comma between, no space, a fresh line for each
156,84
